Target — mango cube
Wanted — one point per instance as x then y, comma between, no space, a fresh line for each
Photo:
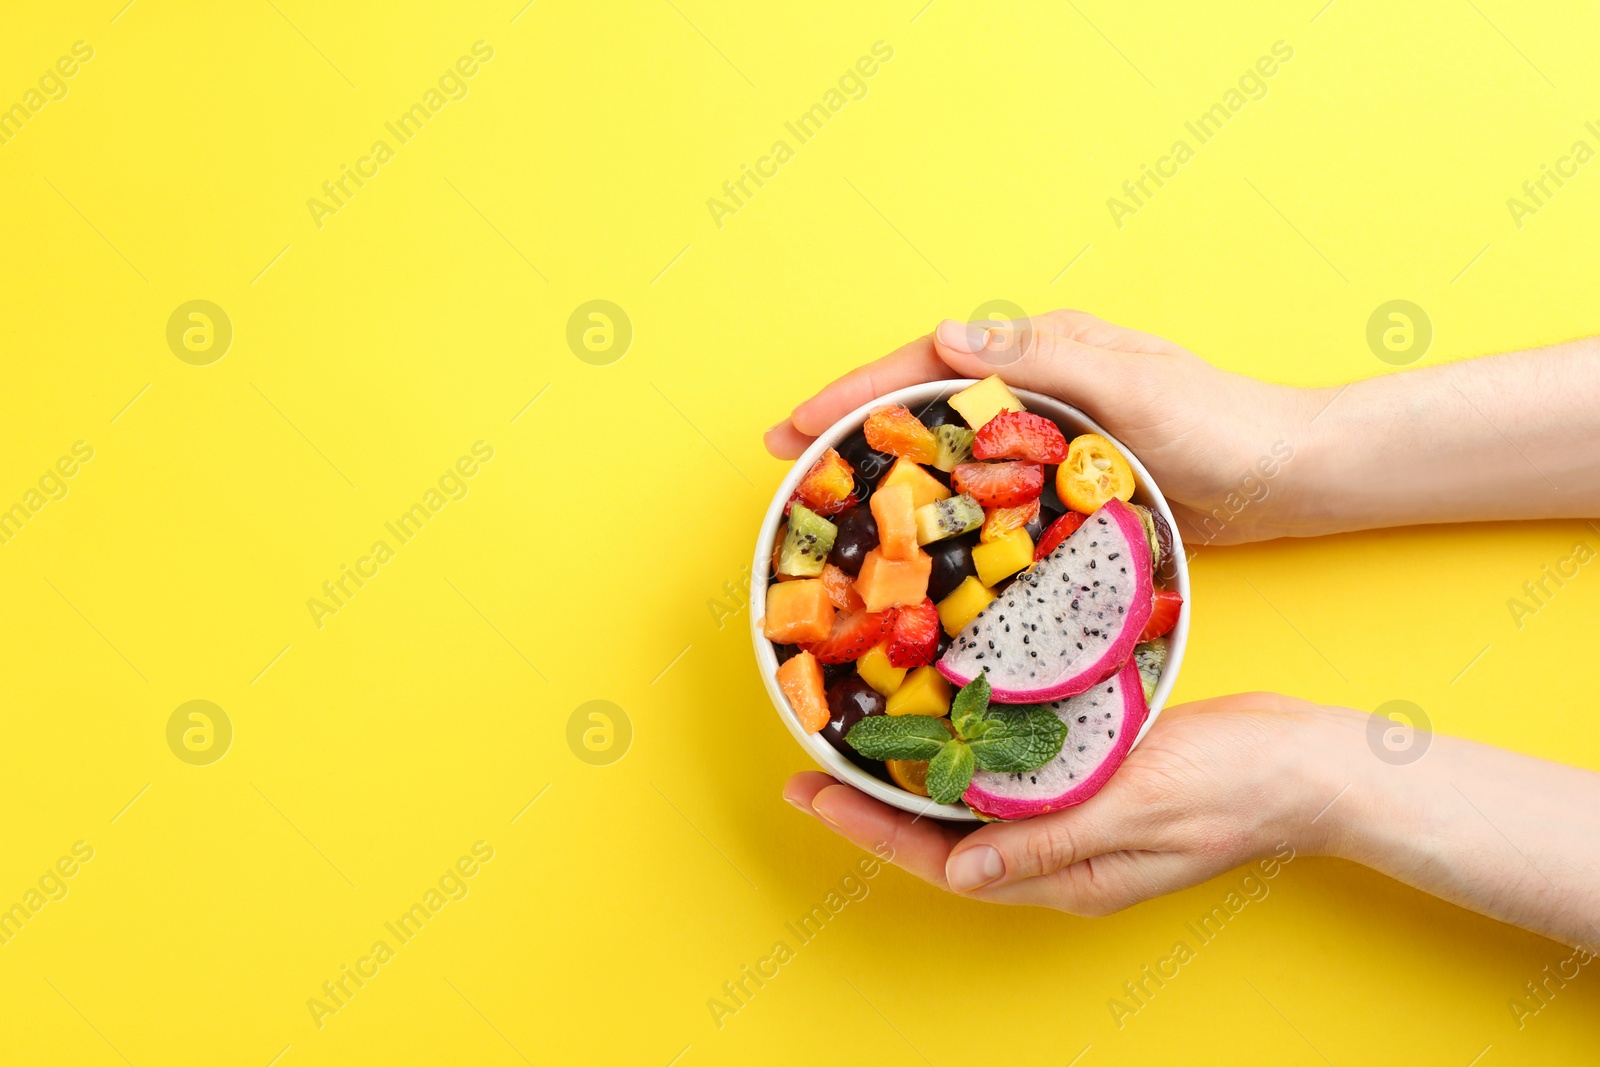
1003,557
876,670
981,402
924,693
963,604
925,488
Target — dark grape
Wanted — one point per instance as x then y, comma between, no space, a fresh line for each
868,463
952,561
937,413
850,701
834,673
1039,525
857,535
786,653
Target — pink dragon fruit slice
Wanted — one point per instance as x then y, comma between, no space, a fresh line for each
1069,622
1101,726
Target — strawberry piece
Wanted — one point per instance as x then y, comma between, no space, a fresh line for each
1001,521
1020,435
842,590
914,638
828,487
898,432
1059,531
1163,615
999,485
852,637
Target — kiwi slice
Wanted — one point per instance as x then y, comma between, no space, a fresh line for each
955,446
948,518
807,544
1150,658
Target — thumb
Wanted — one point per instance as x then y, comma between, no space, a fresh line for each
1038,354
1001,853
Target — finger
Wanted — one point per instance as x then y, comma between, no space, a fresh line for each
1050,361
1261,701
1003,853
1103,884
909,364
919,845
786,442
1098,333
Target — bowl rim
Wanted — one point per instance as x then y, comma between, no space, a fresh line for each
825,755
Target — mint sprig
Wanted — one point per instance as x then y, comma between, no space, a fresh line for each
1007,739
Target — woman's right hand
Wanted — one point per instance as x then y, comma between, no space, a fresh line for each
1209,437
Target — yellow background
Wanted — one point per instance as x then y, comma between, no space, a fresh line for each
426,314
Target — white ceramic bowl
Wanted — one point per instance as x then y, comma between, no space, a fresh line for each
1072,422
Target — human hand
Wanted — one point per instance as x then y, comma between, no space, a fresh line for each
1206,435
1215,784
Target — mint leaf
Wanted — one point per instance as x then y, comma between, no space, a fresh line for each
913,737
950,772
1019,738
966,710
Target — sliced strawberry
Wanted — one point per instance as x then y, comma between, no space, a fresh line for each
841,590
1020,435
827,485
1059,531
1163,616
898,432
1001,521
853,636
999,485
914,638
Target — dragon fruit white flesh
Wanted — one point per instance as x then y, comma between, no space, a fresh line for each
1101,726
1067,623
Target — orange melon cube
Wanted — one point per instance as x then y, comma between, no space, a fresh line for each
798,612
800,678
897,524
886,583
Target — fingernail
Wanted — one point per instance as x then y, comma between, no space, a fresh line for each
962,336
974,868
799,806
816,809
781,422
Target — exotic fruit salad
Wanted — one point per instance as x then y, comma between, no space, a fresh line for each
965,603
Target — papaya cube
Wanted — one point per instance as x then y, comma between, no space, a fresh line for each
876,670
983,401
925,488
800,678
1003,557
963,604
798,612
924,693
887,583
897,524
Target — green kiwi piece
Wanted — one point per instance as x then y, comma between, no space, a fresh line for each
807,544
948,518
955,446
